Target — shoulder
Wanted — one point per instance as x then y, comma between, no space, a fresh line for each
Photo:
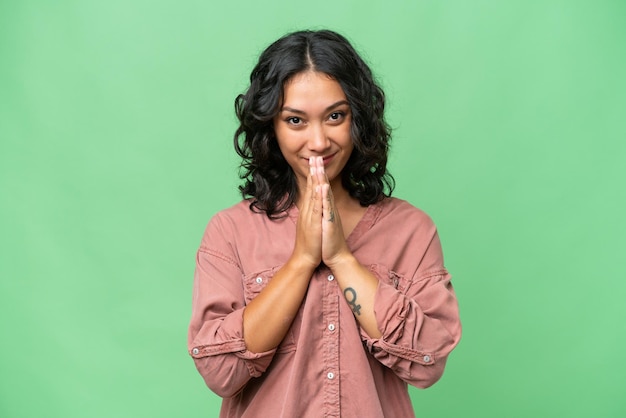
224,222
398,211
249,237
238,211
227,219
243,212
239,220
409,237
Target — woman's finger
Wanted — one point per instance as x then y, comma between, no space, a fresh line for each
321,174
328,211
317,192
306,199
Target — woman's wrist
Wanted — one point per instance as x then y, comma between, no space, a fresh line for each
300,266
343,262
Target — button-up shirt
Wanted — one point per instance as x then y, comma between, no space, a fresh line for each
326,365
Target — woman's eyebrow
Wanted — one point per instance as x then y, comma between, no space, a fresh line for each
301,112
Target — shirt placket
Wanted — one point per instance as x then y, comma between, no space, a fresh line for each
331,345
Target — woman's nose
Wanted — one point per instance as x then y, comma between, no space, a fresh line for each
318,139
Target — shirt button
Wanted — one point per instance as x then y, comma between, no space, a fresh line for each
426,359
195,351
330,375
331,327
259,280
331,277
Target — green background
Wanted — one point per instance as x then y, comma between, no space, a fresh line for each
116,123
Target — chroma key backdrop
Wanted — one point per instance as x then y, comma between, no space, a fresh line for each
116,125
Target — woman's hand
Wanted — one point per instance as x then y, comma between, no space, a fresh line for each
319,233
308,246
333,240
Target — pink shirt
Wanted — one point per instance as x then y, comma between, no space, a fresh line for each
326,365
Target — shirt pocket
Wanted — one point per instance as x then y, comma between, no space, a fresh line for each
253,284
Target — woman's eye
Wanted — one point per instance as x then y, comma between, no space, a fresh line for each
336,116
294,120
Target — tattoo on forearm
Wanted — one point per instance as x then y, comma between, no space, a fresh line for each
352,300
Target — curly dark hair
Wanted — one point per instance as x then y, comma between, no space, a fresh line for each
268,180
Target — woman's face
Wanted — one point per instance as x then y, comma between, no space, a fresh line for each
314,121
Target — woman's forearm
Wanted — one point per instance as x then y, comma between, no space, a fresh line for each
358,286
268,316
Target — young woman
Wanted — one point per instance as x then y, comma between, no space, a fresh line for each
318,294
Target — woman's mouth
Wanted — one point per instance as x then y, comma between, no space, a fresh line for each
327,159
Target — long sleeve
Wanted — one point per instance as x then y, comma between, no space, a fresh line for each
215,338
417,314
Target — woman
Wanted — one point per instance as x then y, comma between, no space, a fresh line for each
318,294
